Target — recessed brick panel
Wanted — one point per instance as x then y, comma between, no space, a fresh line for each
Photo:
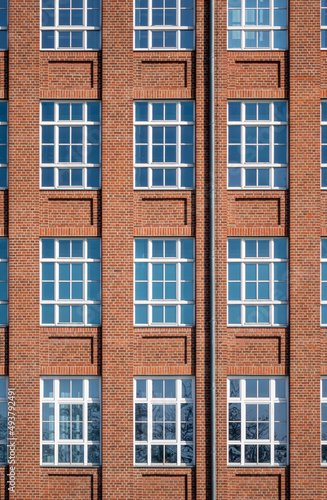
70,487
164,350
156,487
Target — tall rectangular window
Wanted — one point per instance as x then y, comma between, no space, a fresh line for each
70,421
164,421
164,282
324,24
323,417
3,281
164,24
324,281
3,143
257,145
257,421
257,282
71,24
70,153
70,282
164,145
3,24
324,143
257,24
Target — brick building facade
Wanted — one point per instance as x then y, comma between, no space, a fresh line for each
105,247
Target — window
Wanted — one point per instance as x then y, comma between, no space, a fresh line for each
70,421
257,282
324,142
164,24
257,24
164,145
257,145
70,24
3,24
70,282
324,281
324,24
3,140
70,145
164,423
3,282
323,398
3,420
164,282
257,421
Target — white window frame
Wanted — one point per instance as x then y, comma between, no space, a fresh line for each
271,302
323,400
270,28
271,400
152,28
164,302
323,260
5,302
69,28
178,165
69,302
271,165
56,400
178,400
56,165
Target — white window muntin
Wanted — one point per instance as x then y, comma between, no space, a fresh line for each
56,302
4,273
268,28
56,164
149,401
56,400
150,28
270,166
57,28
178,302
243,302
272,441
151,165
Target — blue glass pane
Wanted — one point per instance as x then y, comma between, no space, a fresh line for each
47,177
93,269
324,271
3,248
141,17
187,314
187,111
141,39
280,177
187,39
157,272
234,134
324,314
250,248
93,249
187,177
263,154
141,177
47,291
234,271
250,314
234,248
93,314
157,155
280,111
234,314
263,291
324,248
77,39
141,314
141,154
48,249
186,249
170,272
47,154
64,248
93,40
47,17
187,271
93,111
234,17
141,249
263,111
47,39
250,290
64,39
186,154
63,177
3,154
324,110
263,314
3,178
280,291
77,290
250,177
157,248
186,291
280,271
234,39
170,314
47,314
234,177
77,113
170,291
234,154
157,39
141,271
157,314
170,249
47,271
158,111
157,290
77,314
263,251
280,154
280,314
234,111
280,248
157,177
64,290
234,291
251,135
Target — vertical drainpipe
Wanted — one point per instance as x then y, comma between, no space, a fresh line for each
212,249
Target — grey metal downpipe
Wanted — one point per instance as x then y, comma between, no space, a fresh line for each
212,249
